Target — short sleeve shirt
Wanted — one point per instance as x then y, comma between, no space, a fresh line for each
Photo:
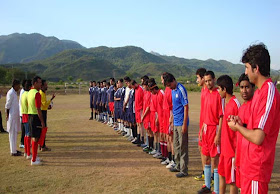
257,160
202,101
213,107
179,100
228,136
167,101
139,95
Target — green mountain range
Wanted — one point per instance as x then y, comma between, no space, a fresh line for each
23,48
104,62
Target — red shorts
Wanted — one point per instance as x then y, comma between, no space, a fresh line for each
237,177
208,136
111,106
254,187
226,169
166,116
138,115
154,128
146,121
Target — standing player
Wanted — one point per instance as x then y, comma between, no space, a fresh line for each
24,111
146,116
126,130
12,117
45,105
111,93
181,123
226,166
260,135
20,113
91,93
139,94
2,130
35,117
200,81
246,92
211,132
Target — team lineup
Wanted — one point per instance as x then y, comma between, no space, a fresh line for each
237,142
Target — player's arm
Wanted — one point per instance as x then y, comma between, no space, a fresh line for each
255,136
185,121
8,105
145,113
217,139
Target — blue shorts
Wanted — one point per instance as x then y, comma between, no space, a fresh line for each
131,117
91,104
26,128
118,113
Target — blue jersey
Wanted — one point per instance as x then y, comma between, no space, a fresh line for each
118,94
104,95
111,92
131,100
98,95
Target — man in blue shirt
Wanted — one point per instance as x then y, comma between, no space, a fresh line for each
181,122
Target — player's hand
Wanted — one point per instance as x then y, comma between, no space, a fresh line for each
184,129
7,117
43,125
157,122
142,118
50,107
217,140
53,96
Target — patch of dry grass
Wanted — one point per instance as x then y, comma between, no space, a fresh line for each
89,157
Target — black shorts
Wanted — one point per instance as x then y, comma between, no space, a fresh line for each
35,126
104,109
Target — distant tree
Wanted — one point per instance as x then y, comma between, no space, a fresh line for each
80,80
70,78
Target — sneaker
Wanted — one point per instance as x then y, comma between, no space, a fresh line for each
127,135
165,162
143,145
25,154
212,183
21,146
16,154
199,177
116,129
171,165
159,156
146,149
90,118
45,149
173,169
181,175
135,142
130,138
37,162
203,190
153,152
29,157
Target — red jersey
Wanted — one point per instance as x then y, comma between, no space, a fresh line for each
228,137
167,101
146,104
153,103
244,114
257,160
202,101
139,94
160,97
213,107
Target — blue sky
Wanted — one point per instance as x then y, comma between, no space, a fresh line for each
190,29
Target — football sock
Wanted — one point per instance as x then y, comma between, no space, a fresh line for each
216,180
28,143
34,150
162,148
91,115
170,156
207,176
25,144
142,139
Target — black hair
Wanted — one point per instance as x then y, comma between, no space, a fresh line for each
35,79
107,83
168,78
210,73
224,81
145,77
145,82
93,81
258,55
244,77
152,84
98,82
23,83
15,82
133,82
120,80
104,80
127,79
113,79
200,72
27,85
115,85
43,81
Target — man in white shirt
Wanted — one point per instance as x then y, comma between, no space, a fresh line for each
13,118
2,130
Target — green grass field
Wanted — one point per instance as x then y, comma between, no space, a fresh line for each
89,157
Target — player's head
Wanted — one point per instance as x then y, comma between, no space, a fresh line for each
112,81
98,84
209,78
127,80
23,83
27,85
44,86
101,84
134,84
153,86
225,85
37,82
90,84
107,84
93,83
104,83
120,83
143,78
16,84
115,86
162,79
246,87
169,80
257,62
200,76
145,85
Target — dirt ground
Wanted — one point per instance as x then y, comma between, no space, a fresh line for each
89,157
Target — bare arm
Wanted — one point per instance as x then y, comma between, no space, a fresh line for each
40,115
185,122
